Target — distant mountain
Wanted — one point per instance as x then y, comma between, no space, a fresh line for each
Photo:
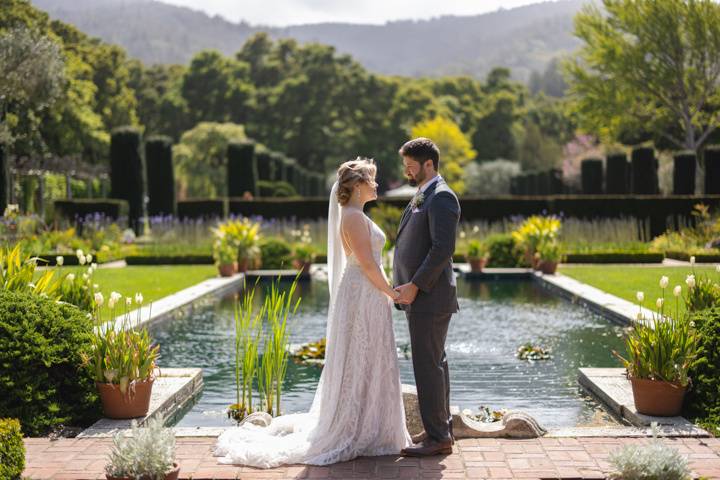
524,39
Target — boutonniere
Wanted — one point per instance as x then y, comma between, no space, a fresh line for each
418,200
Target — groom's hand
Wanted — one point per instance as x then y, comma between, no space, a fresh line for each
408,292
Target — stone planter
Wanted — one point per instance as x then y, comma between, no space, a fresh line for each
135,402
477,264
657,398
242,265
173,474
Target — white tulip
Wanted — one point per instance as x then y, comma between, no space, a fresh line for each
99,299
59,260
138,298
115,296
640,316
664,281
94,266
111,303
78,253
70,277
95,286
89,258
690,280
640,296
659,303
128,301
81,259
692,260
86,277
677,290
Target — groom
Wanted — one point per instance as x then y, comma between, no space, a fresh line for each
423,274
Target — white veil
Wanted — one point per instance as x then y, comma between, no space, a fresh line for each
336,258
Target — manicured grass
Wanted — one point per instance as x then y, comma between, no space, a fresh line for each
625,281
154,282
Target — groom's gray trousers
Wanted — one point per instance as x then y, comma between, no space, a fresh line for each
428,332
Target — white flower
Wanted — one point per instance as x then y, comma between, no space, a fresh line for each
86,276
82,259
664,281
677,290
659,303
462,234
115,296
640,316
128,301
640,296
78,253
31,285
95,286
99,299
692,260
94,266
70,277
476,229
59,260
690,280
88,258
111,303
692,324
467,412
138,298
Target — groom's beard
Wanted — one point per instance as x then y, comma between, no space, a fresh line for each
414,181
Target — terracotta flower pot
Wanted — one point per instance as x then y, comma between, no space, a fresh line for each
242,266
547,268
228,269
173,474
304,267
657,398
477,264
134,403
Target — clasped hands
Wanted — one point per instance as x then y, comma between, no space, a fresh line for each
407,293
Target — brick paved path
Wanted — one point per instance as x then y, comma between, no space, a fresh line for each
79,459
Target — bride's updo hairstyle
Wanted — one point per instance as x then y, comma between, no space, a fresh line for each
350,174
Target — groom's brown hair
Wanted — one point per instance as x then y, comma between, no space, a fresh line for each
421,149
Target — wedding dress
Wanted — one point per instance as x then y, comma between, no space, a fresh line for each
357,409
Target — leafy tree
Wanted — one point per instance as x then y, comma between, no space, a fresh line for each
648,66
200,158
490,178
537,151
455,149
494,135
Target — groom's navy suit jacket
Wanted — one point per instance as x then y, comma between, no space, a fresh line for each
424,248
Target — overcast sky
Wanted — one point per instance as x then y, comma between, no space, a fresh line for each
295,12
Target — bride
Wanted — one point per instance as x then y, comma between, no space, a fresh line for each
358,408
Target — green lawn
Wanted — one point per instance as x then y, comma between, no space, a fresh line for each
624,281
154,282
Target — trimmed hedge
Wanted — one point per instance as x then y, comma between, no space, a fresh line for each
276,254
160,176
12,449
617,174
277,159
291,172
684,173
71,258
169,260
126,173
699,257
202,208
265,165
80,208
702,402
614,257
42,380
644,176
712,170
242,172
4,180
591,171
275,189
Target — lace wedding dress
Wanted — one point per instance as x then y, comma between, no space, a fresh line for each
358,408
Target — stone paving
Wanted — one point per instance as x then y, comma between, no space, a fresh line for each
543,458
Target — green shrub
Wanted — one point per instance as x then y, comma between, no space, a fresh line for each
502,250
703,399
12,450
616,174
126,172
242,169
644,176
591,171
276,189
42,347
684,173
160,176
704,293
275,253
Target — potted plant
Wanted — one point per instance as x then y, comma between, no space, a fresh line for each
123,361
534,231
477,255
661,351
246,236
148,454
303,257
225,253
549,255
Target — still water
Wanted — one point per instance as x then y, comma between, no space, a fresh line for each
495,318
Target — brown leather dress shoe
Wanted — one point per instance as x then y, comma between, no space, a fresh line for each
420,437
428,448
